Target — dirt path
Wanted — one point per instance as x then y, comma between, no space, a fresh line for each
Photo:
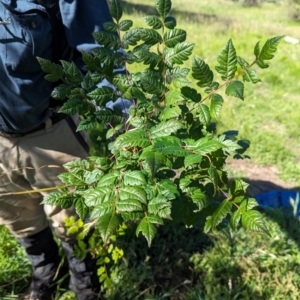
261,179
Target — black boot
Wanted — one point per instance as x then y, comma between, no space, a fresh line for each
83,278
43,254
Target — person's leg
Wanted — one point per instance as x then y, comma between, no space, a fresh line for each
25,218
66,145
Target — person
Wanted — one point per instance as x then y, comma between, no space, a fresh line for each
35,139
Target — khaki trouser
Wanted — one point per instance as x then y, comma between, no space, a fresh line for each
33,162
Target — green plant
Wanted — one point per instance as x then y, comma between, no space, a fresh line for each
166,160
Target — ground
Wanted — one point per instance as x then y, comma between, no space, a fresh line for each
261,179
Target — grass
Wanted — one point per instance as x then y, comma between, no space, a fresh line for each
185,264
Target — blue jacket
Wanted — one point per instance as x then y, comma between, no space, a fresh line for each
25,33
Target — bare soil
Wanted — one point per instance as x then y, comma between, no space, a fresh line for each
261,179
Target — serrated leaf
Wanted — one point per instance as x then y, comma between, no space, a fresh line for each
191,94
216,105
170,22
107,225
154,22
227,61
133,192
108,179
180,53
103,95
249,75
235,219
192,159
165,128
221,212
125,25
200,199
163,7
173,97
131,37
253,220
61,92
129,205
147,229
134,178
202,73
257,49
96,196
55,70
174,36
115,9
110,26
155,219
103,208
169,145
107,39
153,159
269,48
81,209
62,199
235,89
133,138
203,114
150,36
205,146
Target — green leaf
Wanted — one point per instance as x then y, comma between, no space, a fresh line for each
155,219
103,95
133,192
205,145
153,159
107,225
110,26
98,195
86,124
133,138
269,48
115,9
173,97
250,75
216,105
103,208
108,179
200,199
129,205
191,94
163,7
202,73
62,199
180,53
169,145
192,159
220,213
257,49
203,114
55,71
173,37
236,89
150,36
107,39
131,37
253,220
165,128
147,229
134,178
125,25
228,61
170,22
81,209
61,92
154,22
